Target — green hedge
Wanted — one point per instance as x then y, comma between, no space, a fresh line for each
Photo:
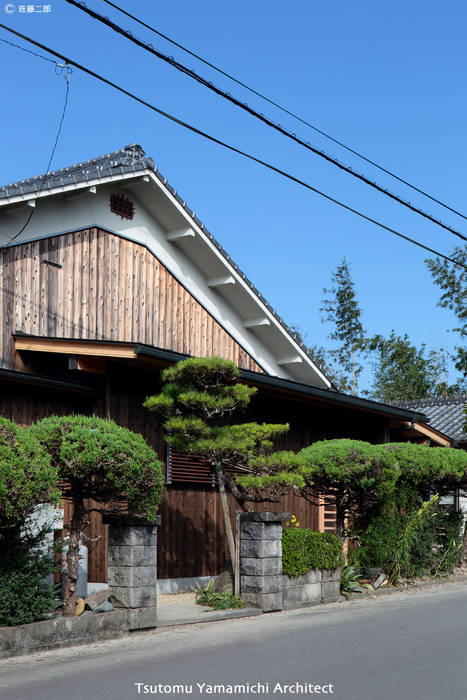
303,550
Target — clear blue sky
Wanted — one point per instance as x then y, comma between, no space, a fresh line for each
387,79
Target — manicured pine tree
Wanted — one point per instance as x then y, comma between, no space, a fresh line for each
198,398
97,459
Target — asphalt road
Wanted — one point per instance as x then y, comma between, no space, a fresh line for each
410,646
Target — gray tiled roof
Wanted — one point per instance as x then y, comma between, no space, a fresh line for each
129,159
445,413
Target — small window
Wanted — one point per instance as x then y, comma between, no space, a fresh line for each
122,206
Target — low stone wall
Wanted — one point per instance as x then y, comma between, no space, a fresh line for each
69,631
314,587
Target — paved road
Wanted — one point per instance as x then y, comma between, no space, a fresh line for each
408,646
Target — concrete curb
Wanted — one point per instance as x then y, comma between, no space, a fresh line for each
210,616
405,588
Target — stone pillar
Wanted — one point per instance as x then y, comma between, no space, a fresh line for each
261,559
132,561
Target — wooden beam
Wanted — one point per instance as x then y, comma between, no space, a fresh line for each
430,433
75,347
290,360
180,234
255,322
82,363
221,281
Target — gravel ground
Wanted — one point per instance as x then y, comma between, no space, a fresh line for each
175,598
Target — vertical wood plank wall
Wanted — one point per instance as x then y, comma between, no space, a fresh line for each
108,288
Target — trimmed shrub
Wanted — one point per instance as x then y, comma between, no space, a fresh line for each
27,477
303,550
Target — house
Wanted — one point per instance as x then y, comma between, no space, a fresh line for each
444,413
115,278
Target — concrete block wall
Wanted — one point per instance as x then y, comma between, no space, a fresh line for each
132,556
314,587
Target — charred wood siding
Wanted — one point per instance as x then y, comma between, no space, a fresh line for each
107,288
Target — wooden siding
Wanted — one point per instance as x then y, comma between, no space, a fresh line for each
108,288
192,540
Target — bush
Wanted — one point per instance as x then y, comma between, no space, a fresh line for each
26,475
303,550
417,540
24,594
218,601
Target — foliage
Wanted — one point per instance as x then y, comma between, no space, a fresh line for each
349,580
27,477
402,561
24,594
219,600
452,280
402,371
303,550
341,308
102,461
379,538
354,473
197,400
443,469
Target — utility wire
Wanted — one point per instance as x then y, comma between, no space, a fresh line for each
33,53
274,125
227,146
283,109
65,104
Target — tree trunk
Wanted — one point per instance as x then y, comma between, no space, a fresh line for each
225,510
340,520
71,576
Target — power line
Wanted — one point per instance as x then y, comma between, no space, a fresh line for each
33,53
274,125
65,104
286,111
229,147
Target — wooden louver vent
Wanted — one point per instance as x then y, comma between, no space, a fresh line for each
182,468
189,469
122,206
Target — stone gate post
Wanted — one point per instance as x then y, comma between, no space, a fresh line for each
261,559
132,561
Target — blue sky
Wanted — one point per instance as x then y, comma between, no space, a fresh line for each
388,80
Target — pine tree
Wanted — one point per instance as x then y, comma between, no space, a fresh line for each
341,309
452,280
198,398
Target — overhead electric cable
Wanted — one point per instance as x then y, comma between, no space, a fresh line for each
234,149
274,125
284,109
33,53
65,104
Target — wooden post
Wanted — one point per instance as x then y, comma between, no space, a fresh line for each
225,510
237,553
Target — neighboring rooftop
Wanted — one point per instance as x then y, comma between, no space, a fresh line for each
445,413
130,159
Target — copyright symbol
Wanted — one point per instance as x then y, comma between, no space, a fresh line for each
10,8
